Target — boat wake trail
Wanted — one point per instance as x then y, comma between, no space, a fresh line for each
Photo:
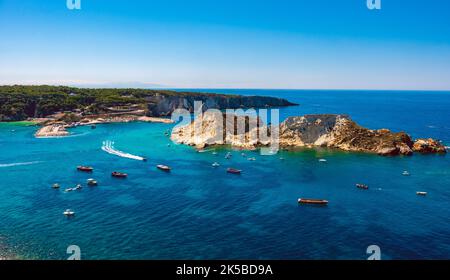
108,147
19,164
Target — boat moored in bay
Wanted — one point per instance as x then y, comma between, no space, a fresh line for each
92,182
119,174
163,167
69,213
85,168
234,171
312,201
362,186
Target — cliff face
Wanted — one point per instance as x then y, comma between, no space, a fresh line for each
164,105
334,131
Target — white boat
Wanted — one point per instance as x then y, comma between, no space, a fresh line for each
92,182
68,190
69,212
228,155
322,160
406,173
55,186
281,158
215,164
215,153
422,193
251,159
78,187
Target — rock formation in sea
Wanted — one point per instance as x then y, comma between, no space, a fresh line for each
326,130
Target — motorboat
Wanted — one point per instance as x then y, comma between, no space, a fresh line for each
215,164
92,182
406,173
251,159
69,212
56,186
322,160
362,186
85,168
163,167
78,187
119,174
68,190
312,201
422,193
234,171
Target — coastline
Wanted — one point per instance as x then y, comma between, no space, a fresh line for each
56,129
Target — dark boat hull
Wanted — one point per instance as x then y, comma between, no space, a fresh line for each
313,201
119,175
85,169
234,171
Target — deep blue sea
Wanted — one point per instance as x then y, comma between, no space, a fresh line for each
200,212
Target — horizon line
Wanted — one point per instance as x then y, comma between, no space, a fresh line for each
104,86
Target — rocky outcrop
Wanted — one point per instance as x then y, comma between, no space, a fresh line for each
53,130
164,105
428,146
333,131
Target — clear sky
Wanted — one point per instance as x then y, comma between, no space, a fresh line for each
319,44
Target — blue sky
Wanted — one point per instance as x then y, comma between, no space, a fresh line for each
315,44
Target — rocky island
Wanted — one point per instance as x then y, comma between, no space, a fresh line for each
58,107
332,131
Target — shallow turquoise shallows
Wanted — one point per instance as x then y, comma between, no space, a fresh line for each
201,212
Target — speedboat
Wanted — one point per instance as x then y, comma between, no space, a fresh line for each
215,164
312,201
78,187
422,193
322,160
85,168
68,190
251,159
92,182
55,186
163,167
362,186
69,212
406,173
234,171
119,174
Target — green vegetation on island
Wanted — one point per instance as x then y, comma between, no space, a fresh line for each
18,102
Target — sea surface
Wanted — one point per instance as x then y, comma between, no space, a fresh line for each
201,212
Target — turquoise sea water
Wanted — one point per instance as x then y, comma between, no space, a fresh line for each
200,212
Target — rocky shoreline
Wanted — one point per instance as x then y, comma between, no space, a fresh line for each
326,130
56,128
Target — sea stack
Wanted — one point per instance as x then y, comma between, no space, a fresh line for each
323,130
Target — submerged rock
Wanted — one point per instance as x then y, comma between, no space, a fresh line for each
325,130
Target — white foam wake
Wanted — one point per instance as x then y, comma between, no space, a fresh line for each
108,147
18,164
